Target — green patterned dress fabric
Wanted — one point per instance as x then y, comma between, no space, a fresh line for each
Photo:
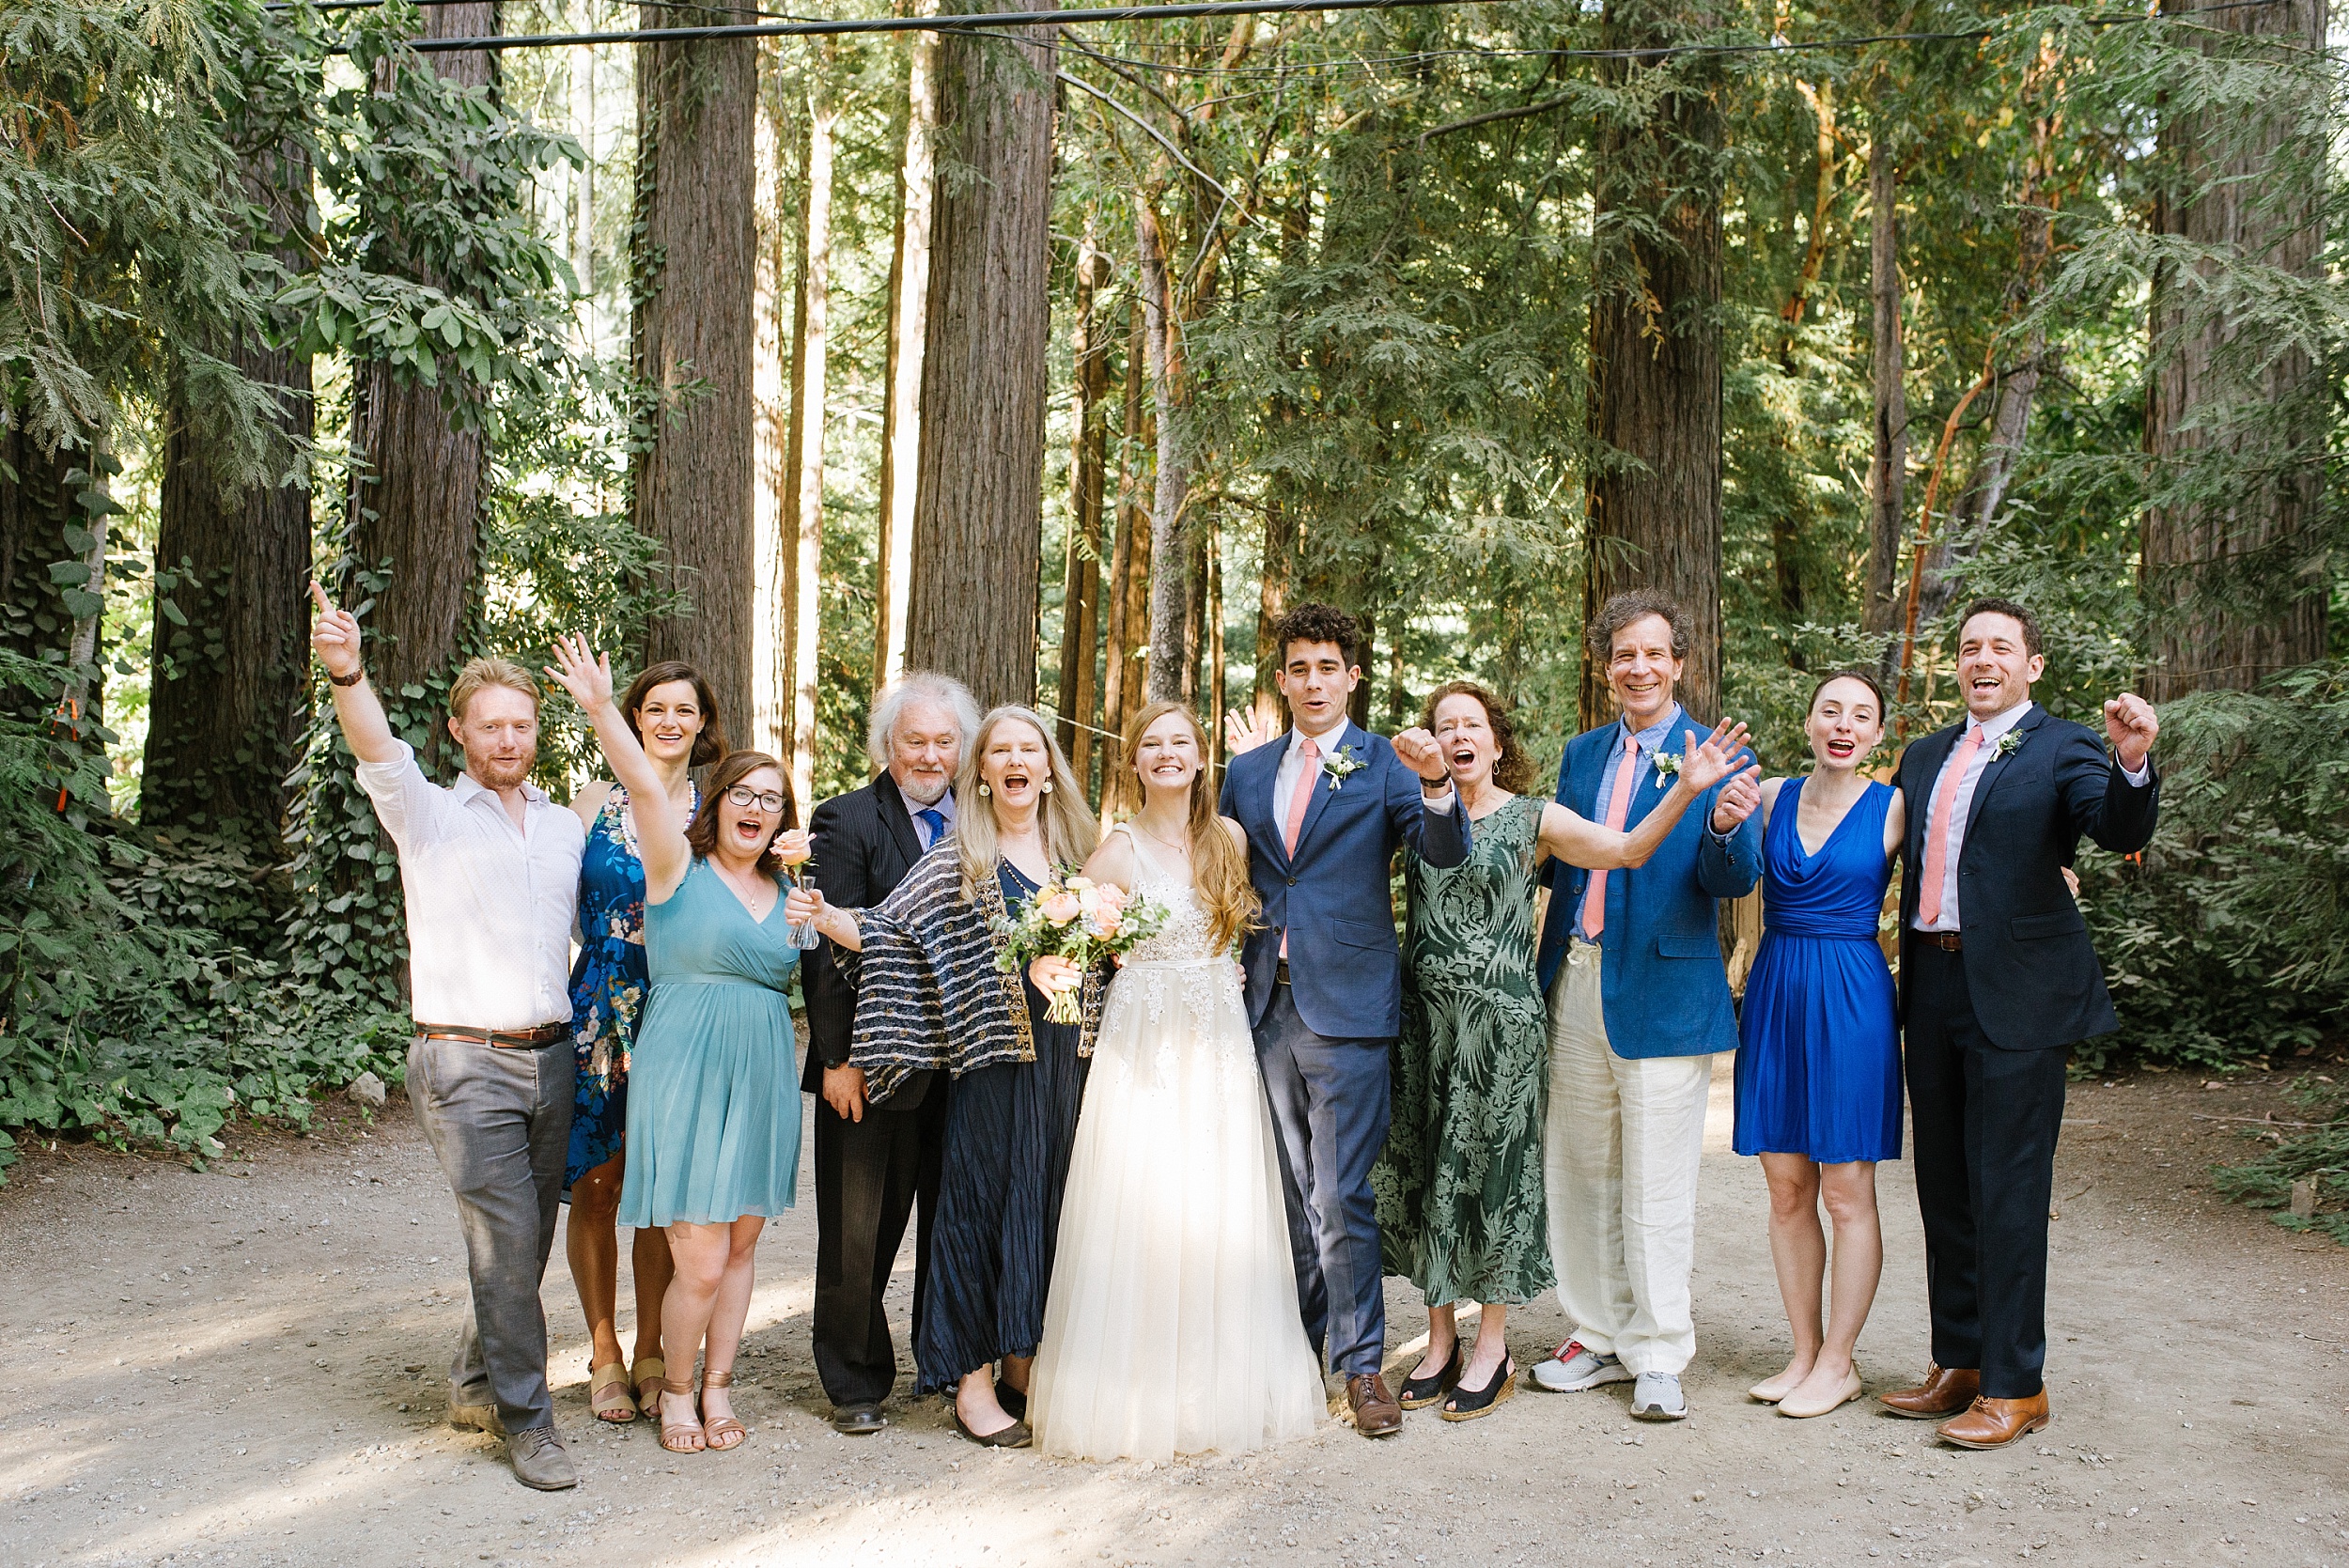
1459,1187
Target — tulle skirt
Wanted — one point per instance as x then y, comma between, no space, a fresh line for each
1171,1326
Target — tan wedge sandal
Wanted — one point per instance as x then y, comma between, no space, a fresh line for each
608,1395
725,1431
673,1434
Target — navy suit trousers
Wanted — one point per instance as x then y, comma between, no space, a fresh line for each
1330,1100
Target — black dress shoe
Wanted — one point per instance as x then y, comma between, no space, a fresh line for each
858,1421
1016,1435
1015,1403
1420,1392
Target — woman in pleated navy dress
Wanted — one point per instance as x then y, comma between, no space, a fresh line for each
1819,1063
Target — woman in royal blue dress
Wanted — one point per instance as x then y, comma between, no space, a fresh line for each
1819,1063
669,709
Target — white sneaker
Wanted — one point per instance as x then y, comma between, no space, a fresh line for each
1657,1398
1576,1368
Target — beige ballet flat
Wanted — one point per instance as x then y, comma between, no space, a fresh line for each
1771,1389
1791,1405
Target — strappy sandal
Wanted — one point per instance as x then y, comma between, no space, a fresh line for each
1467,1403
649,1374
1418,1392
680,1431
609,1394
724,1426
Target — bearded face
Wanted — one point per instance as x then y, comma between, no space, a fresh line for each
499,731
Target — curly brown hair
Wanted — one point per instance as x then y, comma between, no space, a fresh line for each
709,745
701,835
1513,771
1320,623
1637,604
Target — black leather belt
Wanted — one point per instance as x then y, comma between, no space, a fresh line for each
503,1039
1948,941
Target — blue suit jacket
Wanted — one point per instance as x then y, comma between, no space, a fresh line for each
1661,980
1345,967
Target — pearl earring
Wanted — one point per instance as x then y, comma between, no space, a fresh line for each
1047,786
985,792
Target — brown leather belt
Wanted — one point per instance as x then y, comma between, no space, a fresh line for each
503,1039
1281,973
1948,941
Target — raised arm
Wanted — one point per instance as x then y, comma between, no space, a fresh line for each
335,637
1578,841
660,826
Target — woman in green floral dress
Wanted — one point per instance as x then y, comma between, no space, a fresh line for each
1459,1187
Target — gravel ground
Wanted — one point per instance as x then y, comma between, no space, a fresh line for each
244,1366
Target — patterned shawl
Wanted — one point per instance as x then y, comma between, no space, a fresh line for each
928,992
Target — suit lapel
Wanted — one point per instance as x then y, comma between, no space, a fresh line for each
894,818
1643,780
1320,803
1252,773
1993,770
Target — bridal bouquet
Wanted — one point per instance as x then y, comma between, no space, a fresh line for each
1078,919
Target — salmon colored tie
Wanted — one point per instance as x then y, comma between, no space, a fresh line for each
1618,806
1945,831
1297,803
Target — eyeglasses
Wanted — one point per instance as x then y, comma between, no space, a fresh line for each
765,800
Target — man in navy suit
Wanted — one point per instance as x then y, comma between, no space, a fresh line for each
1324,806
1638,1004
1998,980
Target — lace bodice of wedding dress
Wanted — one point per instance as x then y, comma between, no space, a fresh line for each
1185,937
1178,972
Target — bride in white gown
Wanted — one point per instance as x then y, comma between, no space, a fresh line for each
1171,1325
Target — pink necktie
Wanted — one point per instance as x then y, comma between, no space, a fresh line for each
1618,804
1304,796
1297,803
1939,842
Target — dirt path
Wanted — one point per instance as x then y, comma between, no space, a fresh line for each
244,1367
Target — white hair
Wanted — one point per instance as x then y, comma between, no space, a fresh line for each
919,685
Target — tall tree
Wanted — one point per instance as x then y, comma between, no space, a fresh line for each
2232,563
1172,585
1122,662
811,339
1654,501
224,709
979,500
693,338
776,311
909,343
417,470
1888,457
1081,572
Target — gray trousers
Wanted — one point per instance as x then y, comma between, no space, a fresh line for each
500,1122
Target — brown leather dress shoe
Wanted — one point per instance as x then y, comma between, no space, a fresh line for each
1945,1391
1375,1412
1993,1423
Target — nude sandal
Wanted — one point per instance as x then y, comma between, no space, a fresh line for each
648,1374
608,1395
724,1426
680,1431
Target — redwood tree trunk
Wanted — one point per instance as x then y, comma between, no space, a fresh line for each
2235,585
417,482
694,323
225,713
1888,466
1655,505
1172,585
908,338
1080,577
979,500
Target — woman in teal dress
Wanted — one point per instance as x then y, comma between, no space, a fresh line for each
1460,1185
669,709
713,1113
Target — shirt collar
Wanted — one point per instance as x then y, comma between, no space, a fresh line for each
1992,728
1652,736
945,807
1332,742
467,786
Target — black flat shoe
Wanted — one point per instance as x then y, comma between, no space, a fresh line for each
1015,1404
858,1421
1016,1435
1420,1392
1467,1403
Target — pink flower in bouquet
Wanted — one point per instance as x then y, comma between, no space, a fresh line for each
1061,906
1114,896
1106,924
792,848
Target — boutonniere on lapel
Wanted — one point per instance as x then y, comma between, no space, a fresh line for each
1341,765
2009,743
1667,768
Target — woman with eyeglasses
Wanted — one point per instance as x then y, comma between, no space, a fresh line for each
714,1110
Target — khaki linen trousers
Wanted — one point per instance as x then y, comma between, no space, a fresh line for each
1620,1150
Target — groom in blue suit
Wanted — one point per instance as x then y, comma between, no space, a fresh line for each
1324,806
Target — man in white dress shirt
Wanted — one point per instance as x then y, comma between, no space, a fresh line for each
490,867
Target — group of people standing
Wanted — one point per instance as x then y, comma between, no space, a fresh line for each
1153,1230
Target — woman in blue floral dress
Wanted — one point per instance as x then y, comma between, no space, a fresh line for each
669,708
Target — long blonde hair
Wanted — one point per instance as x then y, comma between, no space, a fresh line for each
1219,866
1069,832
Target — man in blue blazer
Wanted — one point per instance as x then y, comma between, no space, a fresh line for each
1998,981
1324,806
1639,1002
